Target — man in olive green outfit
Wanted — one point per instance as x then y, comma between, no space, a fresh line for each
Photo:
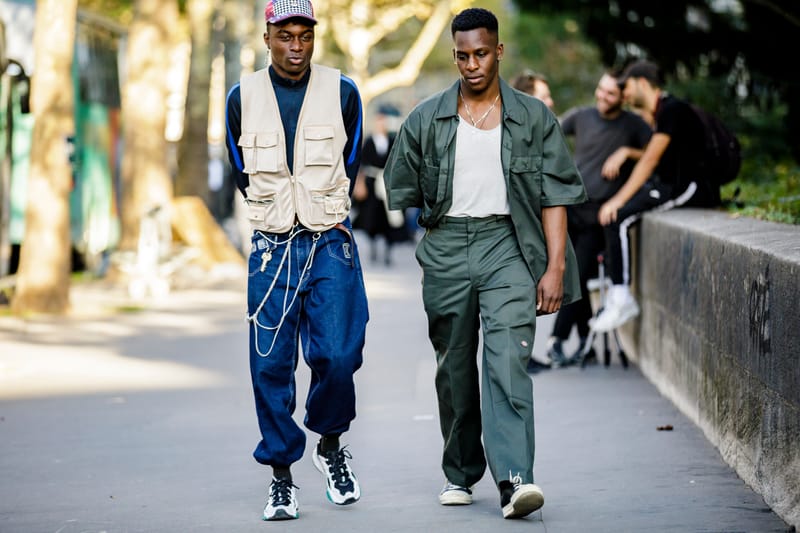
490,170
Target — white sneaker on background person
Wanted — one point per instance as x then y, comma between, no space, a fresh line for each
620,307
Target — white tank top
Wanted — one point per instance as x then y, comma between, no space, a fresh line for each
479,187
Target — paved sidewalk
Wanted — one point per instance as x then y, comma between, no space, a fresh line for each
143,421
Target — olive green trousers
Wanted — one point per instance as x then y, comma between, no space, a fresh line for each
474,277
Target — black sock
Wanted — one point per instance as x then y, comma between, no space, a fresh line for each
329,443
281,472
506,490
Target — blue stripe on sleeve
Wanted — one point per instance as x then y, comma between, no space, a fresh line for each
357,141
233,144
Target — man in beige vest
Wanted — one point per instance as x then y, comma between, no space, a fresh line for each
294,140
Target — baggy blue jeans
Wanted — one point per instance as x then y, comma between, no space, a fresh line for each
305,293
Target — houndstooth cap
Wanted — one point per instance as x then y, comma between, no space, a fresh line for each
280,10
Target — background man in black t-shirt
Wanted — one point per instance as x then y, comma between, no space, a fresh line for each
667,175
608,141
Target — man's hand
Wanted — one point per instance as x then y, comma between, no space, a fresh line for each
549,292
608,212
360,191
610,170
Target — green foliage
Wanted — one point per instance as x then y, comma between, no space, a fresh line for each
120,11
747,43
767,189
768,186
761,125
729,61
554,46
130,308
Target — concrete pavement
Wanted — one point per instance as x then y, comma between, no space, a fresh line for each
142,420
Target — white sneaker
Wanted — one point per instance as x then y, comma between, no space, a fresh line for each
453,494
282,500
342,485
525,499
615,314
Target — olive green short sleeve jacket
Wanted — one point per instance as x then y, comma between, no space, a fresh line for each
537,164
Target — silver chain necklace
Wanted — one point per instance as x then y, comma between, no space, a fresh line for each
477,123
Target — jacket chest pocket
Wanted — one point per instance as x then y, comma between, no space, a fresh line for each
260,152
527,170
430,180
523,164
525,179
318,145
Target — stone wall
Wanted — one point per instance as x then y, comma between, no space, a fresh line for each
719,335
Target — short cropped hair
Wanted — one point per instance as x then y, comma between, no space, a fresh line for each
526,80
474,18
642,68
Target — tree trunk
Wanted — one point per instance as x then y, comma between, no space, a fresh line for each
146,182
43,276
193,148
238,29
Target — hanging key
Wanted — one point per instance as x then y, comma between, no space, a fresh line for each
265,258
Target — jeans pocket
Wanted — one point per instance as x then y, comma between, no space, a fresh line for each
339,246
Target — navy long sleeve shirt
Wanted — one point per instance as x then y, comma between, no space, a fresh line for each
290,95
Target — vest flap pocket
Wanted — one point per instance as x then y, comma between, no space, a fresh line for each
248,143
318,133
319,143
334,200
267,140
247,140
264,153
257,209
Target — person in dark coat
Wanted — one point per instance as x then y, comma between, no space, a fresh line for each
370,196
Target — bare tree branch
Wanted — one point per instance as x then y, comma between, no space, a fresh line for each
407,71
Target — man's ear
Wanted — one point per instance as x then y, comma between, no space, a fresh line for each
454,56
500,51
266,37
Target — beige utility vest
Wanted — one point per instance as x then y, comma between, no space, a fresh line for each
317,193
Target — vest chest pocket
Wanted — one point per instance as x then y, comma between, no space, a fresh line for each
318,145
260,151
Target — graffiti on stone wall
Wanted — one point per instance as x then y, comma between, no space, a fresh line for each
759,313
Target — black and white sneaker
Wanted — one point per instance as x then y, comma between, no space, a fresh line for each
453,494
342,484
282,500
520,499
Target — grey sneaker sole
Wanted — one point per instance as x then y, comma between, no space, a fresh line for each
523,502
